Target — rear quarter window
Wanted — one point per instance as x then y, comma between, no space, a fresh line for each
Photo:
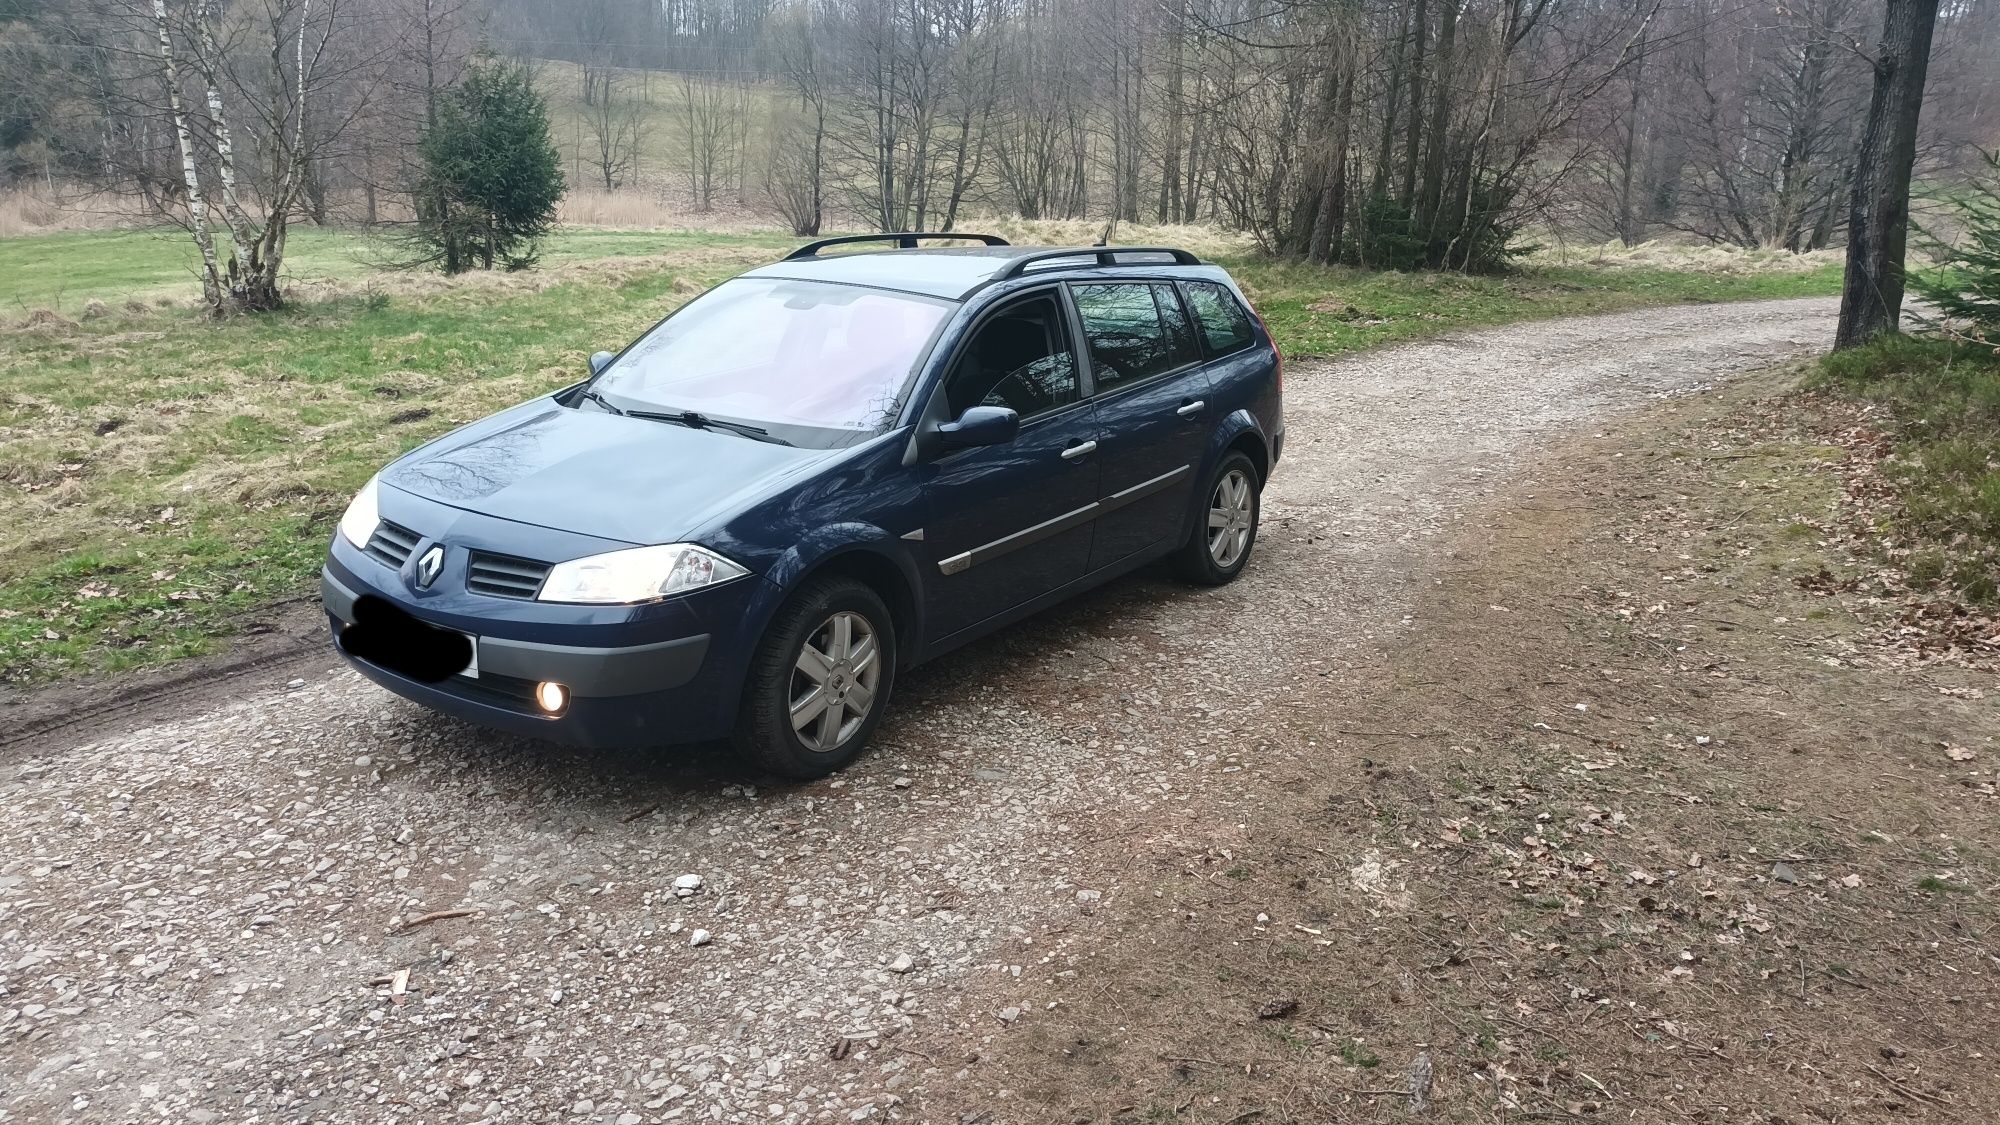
1223,322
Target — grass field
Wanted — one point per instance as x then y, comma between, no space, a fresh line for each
64,272
164,474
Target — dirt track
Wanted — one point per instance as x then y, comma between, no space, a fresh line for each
191,914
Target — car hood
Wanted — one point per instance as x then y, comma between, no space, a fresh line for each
597,474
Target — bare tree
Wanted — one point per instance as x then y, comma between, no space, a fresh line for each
711,119
617,128
795,174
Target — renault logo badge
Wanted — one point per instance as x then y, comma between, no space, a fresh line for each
429,567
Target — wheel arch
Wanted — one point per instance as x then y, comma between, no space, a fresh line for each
1251,444
886,577
869,556
1237,433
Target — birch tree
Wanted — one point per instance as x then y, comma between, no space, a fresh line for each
291,40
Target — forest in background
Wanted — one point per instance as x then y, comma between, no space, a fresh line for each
1385,133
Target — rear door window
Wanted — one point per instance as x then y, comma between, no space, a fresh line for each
1225,326
1135,330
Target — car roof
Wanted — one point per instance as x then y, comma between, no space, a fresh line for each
951,272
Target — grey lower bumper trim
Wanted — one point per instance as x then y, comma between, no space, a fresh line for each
587,672
591,672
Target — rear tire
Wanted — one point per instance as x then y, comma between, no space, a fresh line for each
819,681
1225,528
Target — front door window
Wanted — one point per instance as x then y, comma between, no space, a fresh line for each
1019,359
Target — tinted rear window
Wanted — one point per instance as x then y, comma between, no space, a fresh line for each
1225,327
1131,336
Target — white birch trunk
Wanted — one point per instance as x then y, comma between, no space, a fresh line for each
275,229
241,232
211,280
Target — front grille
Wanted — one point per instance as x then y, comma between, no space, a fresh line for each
501,577
392,543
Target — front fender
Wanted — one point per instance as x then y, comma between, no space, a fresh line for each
823,543
865,549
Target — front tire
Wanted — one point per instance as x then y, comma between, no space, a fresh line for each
819,681
1225,529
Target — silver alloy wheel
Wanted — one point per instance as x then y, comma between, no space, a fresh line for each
834,681
1230,518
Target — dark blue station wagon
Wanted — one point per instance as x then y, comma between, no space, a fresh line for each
808,480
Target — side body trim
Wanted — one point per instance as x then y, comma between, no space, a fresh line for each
1028,536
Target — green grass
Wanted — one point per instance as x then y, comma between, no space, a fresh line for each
167,476
1318,311
1943,402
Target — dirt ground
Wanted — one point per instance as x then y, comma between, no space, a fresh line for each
1658,811
1472,767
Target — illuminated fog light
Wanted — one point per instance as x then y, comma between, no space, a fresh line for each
552,697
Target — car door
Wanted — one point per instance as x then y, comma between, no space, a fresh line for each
1009,523
1152,410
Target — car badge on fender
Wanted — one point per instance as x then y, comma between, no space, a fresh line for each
429,567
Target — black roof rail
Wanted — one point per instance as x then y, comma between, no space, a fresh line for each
906,240
1105,255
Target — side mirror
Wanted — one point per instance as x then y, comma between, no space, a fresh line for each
981,425
598,361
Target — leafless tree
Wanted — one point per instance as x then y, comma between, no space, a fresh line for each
795,174
617,127
711,114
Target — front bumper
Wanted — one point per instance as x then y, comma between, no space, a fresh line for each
647,694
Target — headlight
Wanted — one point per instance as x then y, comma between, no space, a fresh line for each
358,524
638,575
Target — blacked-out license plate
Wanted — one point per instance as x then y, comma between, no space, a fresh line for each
386,635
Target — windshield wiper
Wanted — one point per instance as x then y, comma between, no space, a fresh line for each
600,400
698,421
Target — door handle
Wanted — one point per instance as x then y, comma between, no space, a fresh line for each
1081,449
1190,409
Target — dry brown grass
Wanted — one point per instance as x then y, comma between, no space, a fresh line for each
628,209
33,208
1669,254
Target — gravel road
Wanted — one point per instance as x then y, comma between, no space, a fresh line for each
235,915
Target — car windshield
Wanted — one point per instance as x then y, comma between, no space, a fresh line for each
780,352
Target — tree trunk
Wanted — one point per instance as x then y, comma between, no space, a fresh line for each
1433,186
1169,209
211,275
1878,217
1630,229
1412,154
